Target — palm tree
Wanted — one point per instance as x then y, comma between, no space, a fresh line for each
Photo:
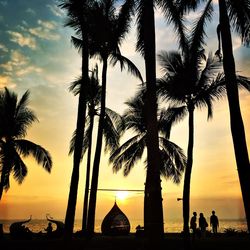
153,211
108,32
187,82
173,161
238,14
111,131
15,119
77,11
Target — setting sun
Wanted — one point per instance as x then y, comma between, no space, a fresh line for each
121,195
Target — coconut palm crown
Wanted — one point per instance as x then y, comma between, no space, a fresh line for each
173,160
15,119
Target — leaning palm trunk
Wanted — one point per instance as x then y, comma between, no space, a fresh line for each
153,211
86,192
237,126
95,173
188,171
80,126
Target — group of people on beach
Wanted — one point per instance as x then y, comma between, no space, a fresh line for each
202,226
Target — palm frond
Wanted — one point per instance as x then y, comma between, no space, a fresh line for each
173,160
239,14
243,82
198,31
173,15
77,42
41,155
128,154
19,168
119,151
126,62
124,19
170,116
110,131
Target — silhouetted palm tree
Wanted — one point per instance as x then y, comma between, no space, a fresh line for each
173,161
112,122
153,211
187,81
108,32
15,119
238,14
77,11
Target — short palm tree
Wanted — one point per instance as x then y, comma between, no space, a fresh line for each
111,130
236,13
173,160
15,119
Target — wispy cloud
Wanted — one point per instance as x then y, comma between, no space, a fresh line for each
3,48
28,70
6,81
22,40
55,10
19,65
3,3
31,11
45,30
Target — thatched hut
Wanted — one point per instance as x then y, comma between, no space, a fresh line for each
115,222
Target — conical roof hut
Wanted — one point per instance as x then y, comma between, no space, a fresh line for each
115,222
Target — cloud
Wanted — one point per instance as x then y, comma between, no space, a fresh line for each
55,10
3,48
6,81
19,65
22,40
18,59
45,30
28,70
4,3
31,11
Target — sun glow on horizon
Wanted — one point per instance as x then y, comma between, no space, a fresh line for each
121,195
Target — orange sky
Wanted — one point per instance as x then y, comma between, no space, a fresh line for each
214,179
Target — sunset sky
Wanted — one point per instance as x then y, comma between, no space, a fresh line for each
36,54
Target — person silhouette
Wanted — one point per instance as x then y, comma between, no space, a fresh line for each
214,222
49,229
193,224
202,225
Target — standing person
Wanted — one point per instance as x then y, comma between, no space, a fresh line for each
214,222
202,225
49,229
193,224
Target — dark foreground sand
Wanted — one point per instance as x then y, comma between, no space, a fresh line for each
171,242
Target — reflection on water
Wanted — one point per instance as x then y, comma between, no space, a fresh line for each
170,226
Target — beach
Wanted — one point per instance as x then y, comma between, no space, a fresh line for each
172,241
170,225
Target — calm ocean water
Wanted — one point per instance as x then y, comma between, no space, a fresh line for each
171,226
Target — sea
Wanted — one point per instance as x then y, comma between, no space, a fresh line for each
170,226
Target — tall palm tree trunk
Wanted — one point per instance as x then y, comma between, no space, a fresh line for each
153,211
187,177
2,181
86,192
80,126
236,122
95,173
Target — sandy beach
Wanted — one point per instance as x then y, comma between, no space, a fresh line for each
172,241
